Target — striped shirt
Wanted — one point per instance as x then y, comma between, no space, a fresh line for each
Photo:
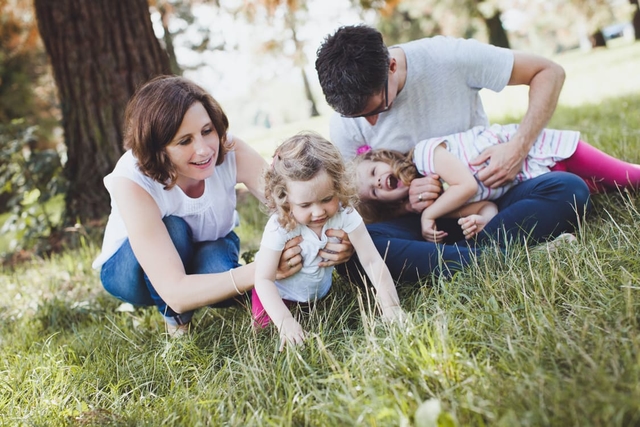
550,147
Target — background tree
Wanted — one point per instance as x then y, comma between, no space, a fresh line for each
294,12
490,13
412,19
28,113
100,51
23,65
636,18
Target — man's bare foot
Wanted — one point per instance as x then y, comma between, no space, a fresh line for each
472,225
565,239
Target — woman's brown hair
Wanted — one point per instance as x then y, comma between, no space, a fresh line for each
154,115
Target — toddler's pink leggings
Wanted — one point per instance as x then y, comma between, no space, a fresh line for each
599,170
260,317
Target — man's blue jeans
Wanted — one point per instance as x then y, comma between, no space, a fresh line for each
533,211
123,277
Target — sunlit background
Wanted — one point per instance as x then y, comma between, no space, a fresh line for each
247,56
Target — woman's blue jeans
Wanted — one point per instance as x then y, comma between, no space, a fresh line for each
123,277
532,211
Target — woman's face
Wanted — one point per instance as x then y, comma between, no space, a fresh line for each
376,181
194,148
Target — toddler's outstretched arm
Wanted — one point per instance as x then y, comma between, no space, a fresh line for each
372,262
461,187
266,265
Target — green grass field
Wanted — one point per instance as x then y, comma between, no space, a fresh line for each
535,338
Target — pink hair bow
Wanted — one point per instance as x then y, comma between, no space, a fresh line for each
363,149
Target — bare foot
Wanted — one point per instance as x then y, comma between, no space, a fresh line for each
177,331
565,239
472,225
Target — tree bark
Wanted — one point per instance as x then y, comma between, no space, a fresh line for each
313,110
597,39
100,51
497,34
636,18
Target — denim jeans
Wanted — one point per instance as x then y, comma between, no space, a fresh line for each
123,277
533,211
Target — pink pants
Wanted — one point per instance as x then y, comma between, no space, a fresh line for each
599,170
260,317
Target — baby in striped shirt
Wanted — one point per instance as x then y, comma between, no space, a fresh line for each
384,176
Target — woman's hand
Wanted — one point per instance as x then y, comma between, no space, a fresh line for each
336,253
423,192
290,260
291,333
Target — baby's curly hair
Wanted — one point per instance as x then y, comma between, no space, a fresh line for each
300,158
403,168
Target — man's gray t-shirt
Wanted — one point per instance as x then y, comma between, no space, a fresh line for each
440,95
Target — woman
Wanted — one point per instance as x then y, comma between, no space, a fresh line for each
169,240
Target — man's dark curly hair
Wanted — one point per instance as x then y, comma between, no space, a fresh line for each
352,66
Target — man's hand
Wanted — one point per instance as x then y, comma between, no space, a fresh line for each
336,253
505,161
290,260
423,192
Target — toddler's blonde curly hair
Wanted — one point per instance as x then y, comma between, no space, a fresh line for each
300,158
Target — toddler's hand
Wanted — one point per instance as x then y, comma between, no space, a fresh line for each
291,333
430,232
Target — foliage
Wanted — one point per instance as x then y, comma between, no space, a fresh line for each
31,177
23,69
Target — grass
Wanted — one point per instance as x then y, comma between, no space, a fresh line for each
533,338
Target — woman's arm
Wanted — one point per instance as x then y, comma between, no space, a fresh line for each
249,168
378,273
158,257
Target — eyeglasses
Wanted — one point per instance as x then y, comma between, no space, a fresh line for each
377,110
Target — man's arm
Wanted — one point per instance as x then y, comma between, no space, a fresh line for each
545,79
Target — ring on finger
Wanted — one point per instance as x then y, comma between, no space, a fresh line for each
289,264
420,197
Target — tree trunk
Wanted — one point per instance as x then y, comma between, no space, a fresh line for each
165,16
497,34
597,39
100,51
300,61
307,90
636,19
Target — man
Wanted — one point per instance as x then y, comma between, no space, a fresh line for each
394,97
